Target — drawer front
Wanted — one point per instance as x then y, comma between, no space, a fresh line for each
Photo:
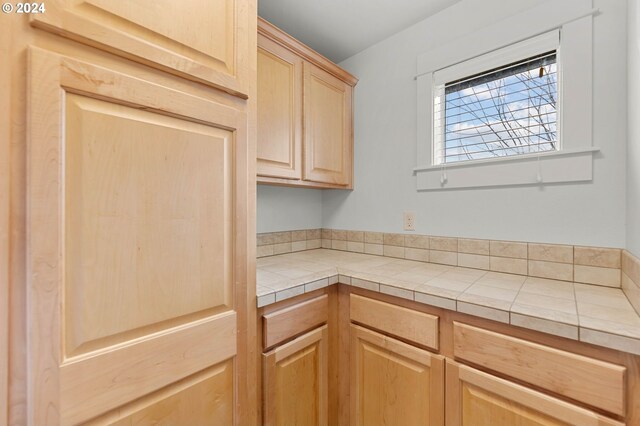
408,324
593,382
289,322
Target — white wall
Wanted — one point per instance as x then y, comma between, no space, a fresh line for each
287,209
385,145
633,150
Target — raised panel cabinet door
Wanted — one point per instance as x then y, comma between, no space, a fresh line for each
328,134
393,383
296,381
202,40
279,111
475,398
135,281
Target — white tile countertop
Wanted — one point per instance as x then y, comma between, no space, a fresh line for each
599,315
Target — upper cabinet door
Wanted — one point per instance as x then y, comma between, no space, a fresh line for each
279,111
328,138
136,249
202,40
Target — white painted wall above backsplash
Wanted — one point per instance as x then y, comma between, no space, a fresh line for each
592,213
633,150
286,209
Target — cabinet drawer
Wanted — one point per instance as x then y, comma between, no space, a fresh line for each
408,324
593,382
286,323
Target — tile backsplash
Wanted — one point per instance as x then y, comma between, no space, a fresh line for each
631,278
274,243
590,265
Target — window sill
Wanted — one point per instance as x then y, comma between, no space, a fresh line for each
554,167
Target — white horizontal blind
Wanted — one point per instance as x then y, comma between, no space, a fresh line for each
506,111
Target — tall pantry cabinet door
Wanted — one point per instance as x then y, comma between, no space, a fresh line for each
328,142
279,111
132,267
296,381
202,40
393,382
475,398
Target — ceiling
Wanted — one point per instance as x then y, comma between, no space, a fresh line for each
339,29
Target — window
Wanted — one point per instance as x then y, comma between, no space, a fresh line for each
505,111
510,103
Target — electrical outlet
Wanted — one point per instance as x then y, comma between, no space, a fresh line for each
409,221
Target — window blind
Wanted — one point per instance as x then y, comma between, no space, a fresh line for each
505,111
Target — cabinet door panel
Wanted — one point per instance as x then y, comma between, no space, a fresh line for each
295,381
590,381
132,216
201,40
279,111
393,382
475,398
199,398
328,135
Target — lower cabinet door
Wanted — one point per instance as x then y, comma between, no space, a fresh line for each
394,383
295,381
480,399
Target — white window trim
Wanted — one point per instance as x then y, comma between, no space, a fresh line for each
537,26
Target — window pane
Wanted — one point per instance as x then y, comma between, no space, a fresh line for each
502,112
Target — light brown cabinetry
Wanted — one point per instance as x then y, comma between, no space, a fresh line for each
396,362
514,381
130,189
296,381
328,135
305,115
279,111
593,382
207,41
394,383
296,363
97,235
475,398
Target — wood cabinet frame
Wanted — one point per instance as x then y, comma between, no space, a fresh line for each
398,352
16,38
54,379
447,319
341,374
89,23
302,169
317,337
459,375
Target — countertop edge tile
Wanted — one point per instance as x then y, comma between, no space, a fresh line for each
609,340
544,325
483,311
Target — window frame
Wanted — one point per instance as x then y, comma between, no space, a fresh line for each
566,27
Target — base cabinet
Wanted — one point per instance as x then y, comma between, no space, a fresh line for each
475,398
296,381
394,383
353,359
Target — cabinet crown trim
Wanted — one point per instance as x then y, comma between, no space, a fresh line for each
274,33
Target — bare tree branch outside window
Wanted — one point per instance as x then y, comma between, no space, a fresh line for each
503,112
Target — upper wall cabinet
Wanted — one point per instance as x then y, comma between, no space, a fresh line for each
305,115
205,41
